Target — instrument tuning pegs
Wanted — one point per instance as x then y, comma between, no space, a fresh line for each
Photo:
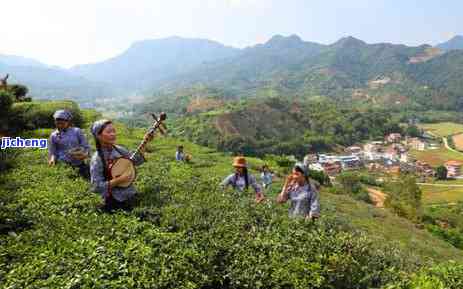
162,116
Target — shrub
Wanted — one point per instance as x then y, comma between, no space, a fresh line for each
184,233
444,276
441,173
350,183
404,197
320,177
6,101
19,91
39,114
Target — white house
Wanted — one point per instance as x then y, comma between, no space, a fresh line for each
316,167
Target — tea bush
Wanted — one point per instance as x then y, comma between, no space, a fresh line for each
444,276
183,232
39,114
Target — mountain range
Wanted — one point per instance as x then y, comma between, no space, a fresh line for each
346,69
455,43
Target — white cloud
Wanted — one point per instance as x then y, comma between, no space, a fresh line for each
448,35
241,3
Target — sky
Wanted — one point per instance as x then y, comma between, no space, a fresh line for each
69,32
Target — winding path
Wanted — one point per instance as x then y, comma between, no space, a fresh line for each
440,185
444,139
377,197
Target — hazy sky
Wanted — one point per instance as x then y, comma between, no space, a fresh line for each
65,32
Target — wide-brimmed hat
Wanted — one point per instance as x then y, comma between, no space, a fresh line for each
239,162
62,114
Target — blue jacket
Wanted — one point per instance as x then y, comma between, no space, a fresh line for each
98,180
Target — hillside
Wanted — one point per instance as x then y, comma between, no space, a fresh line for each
280,126
289,66
146,62
252,68
441,73
186,233
456,43
13,60
54,83
349,69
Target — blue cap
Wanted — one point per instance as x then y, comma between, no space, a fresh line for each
97,125
62,114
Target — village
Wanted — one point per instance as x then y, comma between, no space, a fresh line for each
390,156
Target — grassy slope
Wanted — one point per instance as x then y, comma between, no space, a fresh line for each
436,157
68,234
443,129
441,195
384,226
458,141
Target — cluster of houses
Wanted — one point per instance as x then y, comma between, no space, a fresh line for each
389,156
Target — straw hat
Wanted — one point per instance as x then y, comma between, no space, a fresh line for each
239,162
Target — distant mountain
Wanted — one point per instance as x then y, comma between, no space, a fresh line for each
285,66
149,61
13,60
53,83
254,67
456,43
289,66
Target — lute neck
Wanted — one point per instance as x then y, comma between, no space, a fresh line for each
142,144
157,125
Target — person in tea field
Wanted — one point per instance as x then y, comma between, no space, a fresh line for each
266,177
241,179
107,152
68,144
179,154
302,192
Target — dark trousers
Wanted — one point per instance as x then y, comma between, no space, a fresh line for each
84,171
111,204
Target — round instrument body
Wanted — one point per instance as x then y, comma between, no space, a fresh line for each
123,166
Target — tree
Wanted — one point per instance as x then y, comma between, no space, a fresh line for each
3,81
19,91
413,131
6,101
404,198
350,182
320,177
441,173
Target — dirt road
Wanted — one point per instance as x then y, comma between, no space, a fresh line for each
377,197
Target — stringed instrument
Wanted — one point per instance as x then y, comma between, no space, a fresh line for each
124,165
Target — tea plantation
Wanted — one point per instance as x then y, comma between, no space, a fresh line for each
185,232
